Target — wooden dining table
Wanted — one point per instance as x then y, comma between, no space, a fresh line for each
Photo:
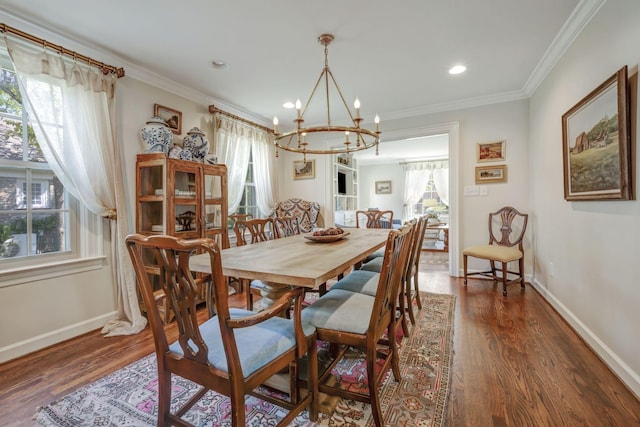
295,260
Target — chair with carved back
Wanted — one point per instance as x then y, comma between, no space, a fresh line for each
252,231
285,226
374,219
307,212
233,351
352,319
506,233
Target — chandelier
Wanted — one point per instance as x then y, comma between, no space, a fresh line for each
356,138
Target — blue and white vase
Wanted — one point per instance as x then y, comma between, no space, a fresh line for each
156,136
185,155
197,143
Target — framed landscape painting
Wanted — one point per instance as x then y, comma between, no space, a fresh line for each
383,187
304,169
491,151
172,117
489,174
596,144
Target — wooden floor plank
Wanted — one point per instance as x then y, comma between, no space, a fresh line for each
516,363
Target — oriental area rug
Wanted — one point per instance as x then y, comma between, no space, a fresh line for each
128,397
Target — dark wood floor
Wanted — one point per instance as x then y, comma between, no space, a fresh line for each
516,363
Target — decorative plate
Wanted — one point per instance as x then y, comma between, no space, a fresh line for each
327,239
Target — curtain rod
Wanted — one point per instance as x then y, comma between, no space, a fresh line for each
213,109
106,69
437,159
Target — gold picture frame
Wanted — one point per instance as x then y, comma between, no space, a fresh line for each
304,169
383,187
491,174
492,151
172,117
596,144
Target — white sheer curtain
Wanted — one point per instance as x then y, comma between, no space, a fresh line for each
441,181
72,108
416,176
233,147
236,141
264,172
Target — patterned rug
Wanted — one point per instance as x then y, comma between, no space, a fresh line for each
128,397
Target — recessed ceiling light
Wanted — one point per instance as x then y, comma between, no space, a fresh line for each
219,64
288,104
457,69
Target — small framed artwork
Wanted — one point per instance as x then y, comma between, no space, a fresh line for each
491,151
171,116
489,174
383,187
304,169
596,144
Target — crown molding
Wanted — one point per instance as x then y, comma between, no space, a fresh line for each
577,21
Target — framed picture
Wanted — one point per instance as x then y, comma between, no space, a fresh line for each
171,116
383,187
489,174
491,151
596,144
304,169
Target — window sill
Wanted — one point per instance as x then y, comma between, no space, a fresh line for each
17,276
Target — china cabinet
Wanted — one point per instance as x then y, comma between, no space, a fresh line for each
345,190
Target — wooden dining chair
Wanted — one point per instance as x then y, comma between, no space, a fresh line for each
506,232
374,219
234,351
285,226
351,319
251,231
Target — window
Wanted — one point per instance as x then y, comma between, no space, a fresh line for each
248,203
37,215
430,200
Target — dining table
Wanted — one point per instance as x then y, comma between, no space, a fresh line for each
295,260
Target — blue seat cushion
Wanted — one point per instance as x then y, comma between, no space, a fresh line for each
377,254
373,265
340,310
257,345
361,281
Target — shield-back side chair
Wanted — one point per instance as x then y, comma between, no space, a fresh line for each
506,232
374,219
233,351
252,231
352,319
285,226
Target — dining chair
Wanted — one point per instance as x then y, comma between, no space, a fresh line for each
361,281
233,351
285,226
506,232
350,319
374,219
251,231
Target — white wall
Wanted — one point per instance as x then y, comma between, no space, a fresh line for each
368,175
586,252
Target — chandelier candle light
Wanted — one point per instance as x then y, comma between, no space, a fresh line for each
296,140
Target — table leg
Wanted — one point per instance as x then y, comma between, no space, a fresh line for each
272,291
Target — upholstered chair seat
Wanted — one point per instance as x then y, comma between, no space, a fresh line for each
361,281
257,345
494,252
340,310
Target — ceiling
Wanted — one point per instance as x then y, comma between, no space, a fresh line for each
393,56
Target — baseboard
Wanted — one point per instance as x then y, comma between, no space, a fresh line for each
50,338
630,378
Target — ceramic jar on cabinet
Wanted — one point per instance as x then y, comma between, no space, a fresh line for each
197,143
156,135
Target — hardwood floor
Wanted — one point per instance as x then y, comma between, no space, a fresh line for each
516,363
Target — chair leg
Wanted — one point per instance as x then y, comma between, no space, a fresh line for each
246,285
237,408
409,307
402,297
504,278
521,268
374,396
417,289
493,270
312,378
464,261
164,397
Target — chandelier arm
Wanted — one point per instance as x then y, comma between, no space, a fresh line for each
344,102
313,92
